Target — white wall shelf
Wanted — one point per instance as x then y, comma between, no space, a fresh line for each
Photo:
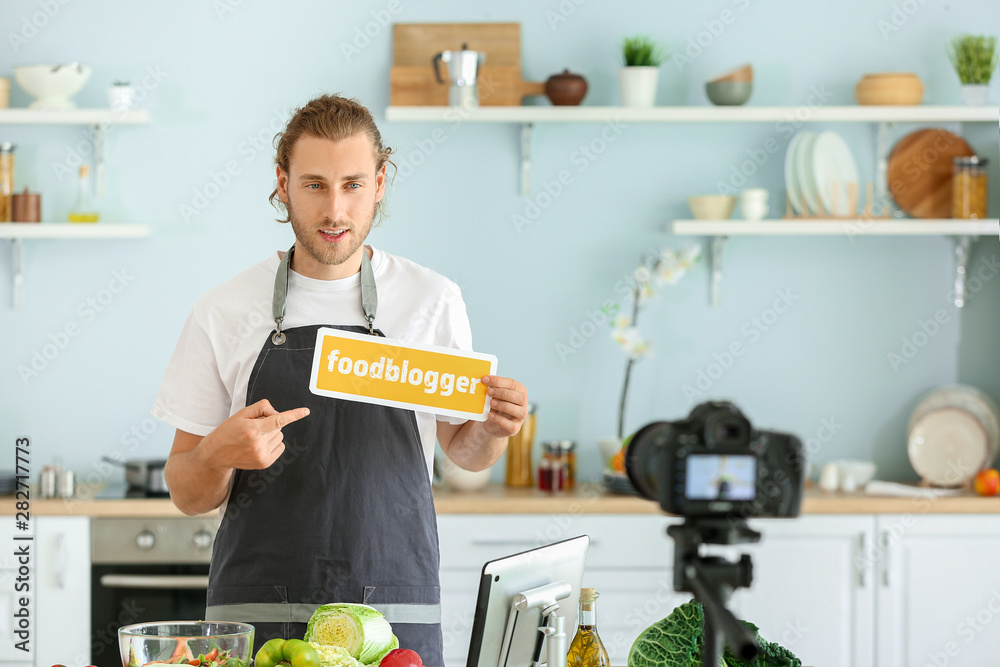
696,114
962,231
17,232
527,116
74,117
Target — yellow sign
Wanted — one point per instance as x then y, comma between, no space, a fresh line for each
426,378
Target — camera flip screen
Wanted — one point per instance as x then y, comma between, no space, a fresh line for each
717,477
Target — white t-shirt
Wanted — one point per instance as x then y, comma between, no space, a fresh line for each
206,380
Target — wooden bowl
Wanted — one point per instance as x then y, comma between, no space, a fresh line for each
744,74
890,88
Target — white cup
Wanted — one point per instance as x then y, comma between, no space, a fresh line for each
753,203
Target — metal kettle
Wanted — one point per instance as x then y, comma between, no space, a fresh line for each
463,68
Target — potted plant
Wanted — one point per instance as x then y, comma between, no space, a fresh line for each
638,78
974,58
663,268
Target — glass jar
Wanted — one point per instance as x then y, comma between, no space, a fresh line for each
969,186
6,182
567,456
519,463
551,469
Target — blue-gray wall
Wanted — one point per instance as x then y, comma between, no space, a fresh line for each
226,77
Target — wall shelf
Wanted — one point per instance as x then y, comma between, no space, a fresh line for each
17,232
962,231
528,116
74,117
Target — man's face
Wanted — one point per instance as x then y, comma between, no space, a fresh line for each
331,191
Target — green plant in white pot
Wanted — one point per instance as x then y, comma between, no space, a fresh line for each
974,58
639,77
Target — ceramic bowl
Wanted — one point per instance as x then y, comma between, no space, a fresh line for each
459,479
890,88
728,93
52,85
859,472
712,207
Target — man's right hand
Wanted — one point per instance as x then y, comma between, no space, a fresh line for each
251,439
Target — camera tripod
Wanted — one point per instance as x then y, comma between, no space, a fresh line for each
712,580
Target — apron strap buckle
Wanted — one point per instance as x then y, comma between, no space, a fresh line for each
278,337
371,325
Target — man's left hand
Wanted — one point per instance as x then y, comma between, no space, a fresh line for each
508,406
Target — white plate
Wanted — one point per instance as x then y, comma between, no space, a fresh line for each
832,162
971,400
947,447
804,173
791,178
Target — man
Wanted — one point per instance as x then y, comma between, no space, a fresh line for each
322,500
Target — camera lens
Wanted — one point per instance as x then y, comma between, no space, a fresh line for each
644,458
727,432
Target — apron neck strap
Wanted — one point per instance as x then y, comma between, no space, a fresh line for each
369,295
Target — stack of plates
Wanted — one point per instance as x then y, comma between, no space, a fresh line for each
618,482
954,433
819,171
8,482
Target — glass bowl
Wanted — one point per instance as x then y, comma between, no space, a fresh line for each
163,641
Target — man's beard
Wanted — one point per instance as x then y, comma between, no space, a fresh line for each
306,238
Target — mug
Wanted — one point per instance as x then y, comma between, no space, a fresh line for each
753,203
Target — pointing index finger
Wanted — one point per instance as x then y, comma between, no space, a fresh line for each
283,419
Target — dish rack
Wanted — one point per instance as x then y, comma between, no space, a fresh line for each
867,213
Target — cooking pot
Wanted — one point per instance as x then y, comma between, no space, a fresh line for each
144,475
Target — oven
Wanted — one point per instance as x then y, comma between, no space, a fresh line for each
146,570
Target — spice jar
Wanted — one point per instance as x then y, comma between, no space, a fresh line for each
550,468
567,457
969,186
519,461
6,182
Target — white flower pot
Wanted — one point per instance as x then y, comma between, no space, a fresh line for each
638,86
975,95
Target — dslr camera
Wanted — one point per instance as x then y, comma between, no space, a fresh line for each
716,464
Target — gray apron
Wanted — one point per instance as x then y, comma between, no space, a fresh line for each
345,514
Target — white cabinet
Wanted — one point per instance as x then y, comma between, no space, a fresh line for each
62,591
10,655
812,590
938,589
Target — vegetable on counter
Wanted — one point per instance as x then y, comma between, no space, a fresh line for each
358,628
183,656
676,641
294,652
401,657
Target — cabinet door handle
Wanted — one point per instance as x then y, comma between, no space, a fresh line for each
885,558
531,544
61,560
186,581
863,563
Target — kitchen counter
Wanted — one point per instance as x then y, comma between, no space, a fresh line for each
589,499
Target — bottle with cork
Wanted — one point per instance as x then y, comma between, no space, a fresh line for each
83,209
587,649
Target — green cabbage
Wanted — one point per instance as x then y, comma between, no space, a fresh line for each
358,628
676,641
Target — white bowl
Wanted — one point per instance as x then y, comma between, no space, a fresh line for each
712,207
859,472
459,479
52,85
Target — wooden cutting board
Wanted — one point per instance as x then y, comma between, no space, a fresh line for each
920,170
411,78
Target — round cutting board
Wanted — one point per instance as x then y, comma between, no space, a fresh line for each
920,168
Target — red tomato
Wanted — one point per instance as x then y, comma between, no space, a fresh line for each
401,657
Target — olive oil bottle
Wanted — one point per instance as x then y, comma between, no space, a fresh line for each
587,649
83,209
